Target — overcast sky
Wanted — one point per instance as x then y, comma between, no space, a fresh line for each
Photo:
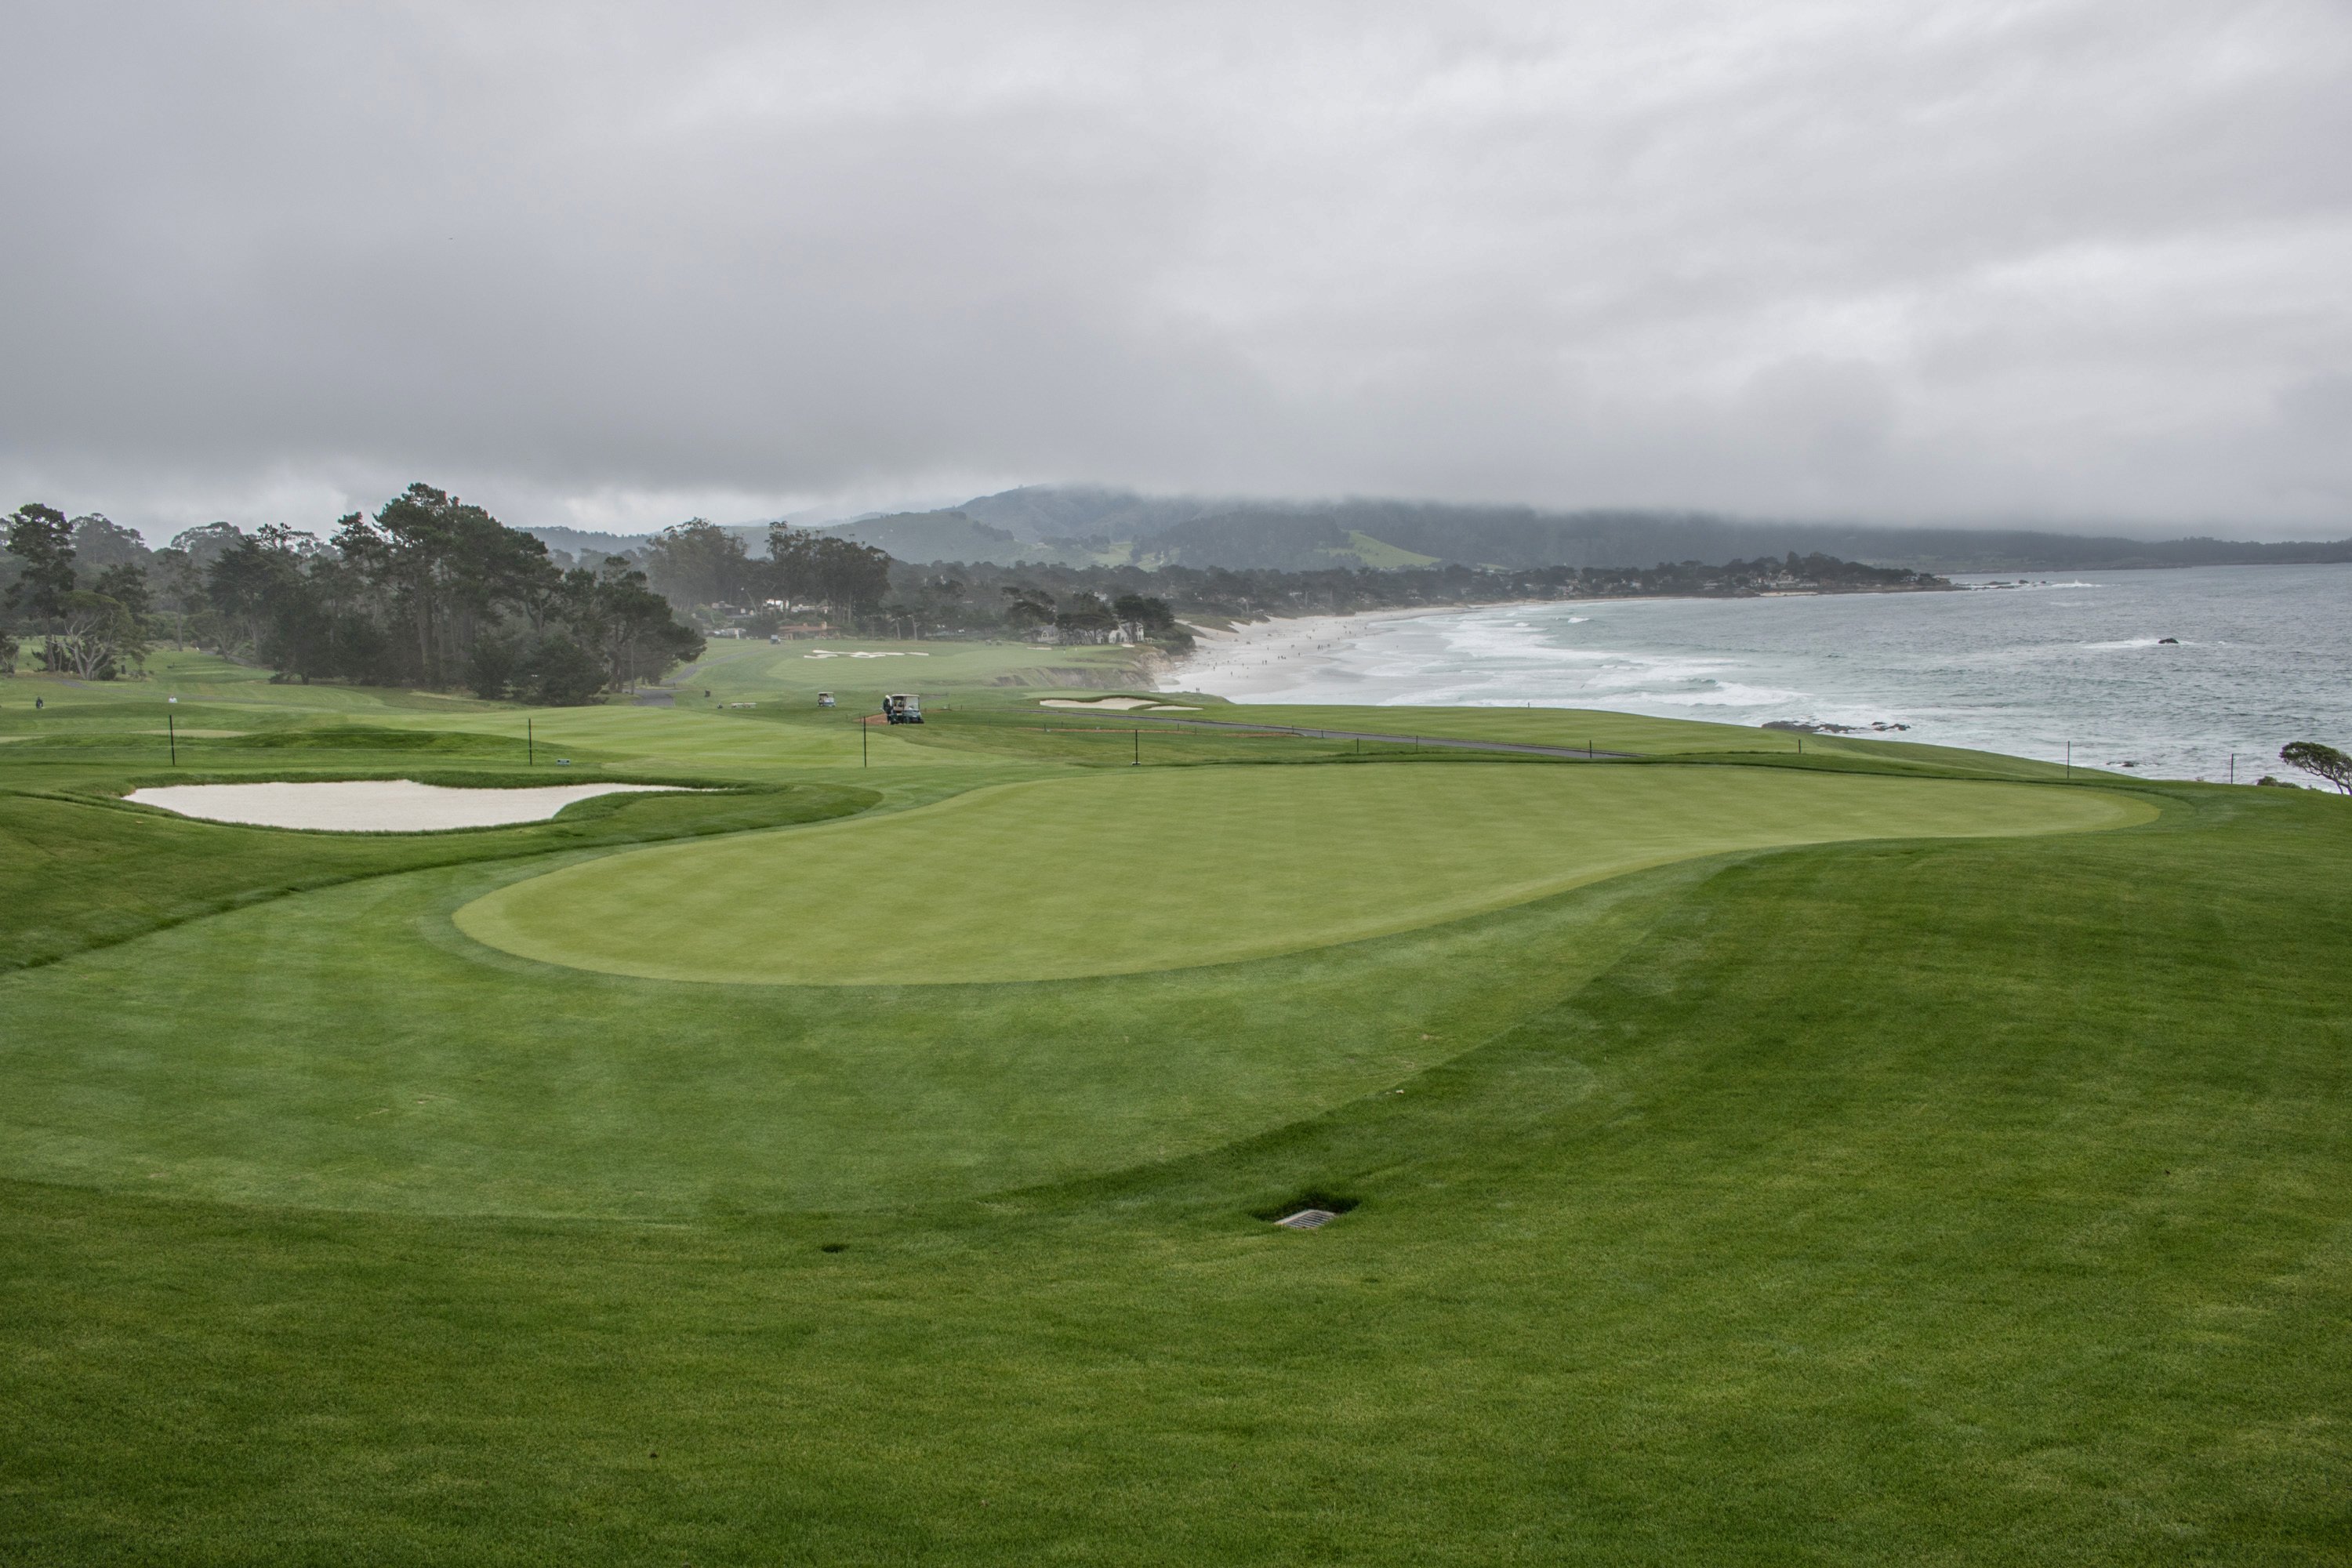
609,266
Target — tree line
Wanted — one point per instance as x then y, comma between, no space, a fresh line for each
698,564
430,592
709,570
79,587
435,592
809,580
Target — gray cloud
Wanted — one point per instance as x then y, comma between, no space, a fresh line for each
2076,260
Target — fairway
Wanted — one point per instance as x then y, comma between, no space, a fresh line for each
1124,872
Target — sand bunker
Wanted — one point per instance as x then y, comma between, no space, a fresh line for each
1121,703
372,805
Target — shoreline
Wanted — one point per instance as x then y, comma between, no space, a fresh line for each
2173,674
1255,646
1260,646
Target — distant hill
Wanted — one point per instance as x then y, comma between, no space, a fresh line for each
1392,533
911,536
1078,525
1036,513
1105,524
2011,550
924,536
577,540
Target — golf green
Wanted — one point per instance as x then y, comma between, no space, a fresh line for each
1124,872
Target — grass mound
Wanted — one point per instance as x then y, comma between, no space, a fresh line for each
375,738
346,1048
80,872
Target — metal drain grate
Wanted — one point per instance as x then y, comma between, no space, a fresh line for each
1307,1220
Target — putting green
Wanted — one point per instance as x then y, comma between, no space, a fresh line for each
1118,873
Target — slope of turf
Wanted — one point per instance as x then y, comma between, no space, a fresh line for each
1159,869
223,709
1936,1202
859,670
346,1048
1931,1201
81,872
1643,735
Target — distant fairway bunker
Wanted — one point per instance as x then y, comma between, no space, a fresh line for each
374,806
1123,873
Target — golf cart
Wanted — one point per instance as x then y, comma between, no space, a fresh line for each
902,708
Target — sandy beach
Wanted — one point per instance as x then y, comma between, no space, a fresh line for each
1257,658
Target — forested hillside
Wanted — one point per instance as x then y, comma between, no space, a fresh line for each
1078,525
1100,604
937,536
1077,522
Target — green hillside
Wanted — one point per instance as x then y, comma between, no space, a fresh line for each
1366,551
925,536
1290,535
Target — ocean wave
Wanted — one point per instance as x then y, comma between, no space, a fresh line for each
1731,694
2019,673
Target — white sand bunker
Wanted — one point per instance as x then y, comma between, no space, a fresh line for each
1121,703
372,805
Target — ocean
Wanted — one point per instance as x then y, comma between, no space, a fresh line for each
2180,674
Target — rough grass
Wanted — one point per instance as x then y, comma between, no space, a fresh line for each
793,672
1980,1201
1940,1200
84,872
1644,736
348,1048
